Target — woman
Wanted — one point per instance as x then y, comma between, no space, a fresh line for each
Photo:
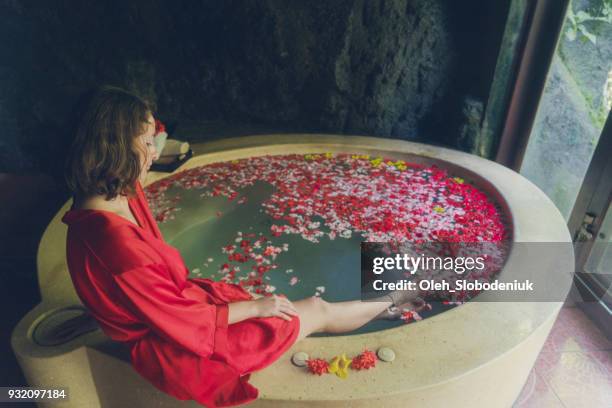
192,338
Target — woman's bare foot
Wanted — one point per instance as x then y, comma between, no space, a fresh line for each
400,297
395,312
402,300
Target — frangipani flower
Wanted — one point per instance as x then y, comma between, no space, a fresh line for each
376,162
340,366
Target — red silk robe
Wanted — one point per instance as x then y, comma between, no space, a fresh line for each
136,287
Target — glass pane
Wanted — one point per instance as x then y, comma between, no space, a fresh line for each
599,262
576,102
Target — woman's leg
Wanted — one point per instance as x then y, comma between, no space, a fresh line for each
317,315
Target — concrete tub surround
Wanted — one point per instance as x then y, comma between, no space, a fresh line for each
478,354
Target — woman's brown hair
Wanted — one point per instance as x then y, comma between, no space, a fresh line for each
103,158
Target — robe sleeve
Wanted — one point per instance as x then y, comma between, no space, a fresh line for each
190,321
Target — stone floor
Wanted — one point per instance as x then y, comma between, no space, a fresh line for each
574,369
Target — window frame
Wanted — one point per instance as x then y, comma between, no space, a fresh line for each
535,59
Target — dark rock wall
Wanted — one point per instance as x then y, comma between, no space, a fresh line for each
351,67
380,67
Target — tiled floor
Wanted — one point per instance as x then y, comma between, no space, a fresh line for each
574,369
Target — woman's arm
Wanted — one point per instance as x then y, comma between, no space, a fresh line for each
268,306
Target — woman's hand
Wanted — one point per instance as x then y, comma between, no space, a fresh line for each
274,306
266,306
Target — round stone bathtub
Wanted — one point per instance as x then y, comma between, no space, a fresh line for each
478,354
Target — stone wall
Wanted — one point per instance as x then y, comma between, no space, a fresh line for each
394,68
